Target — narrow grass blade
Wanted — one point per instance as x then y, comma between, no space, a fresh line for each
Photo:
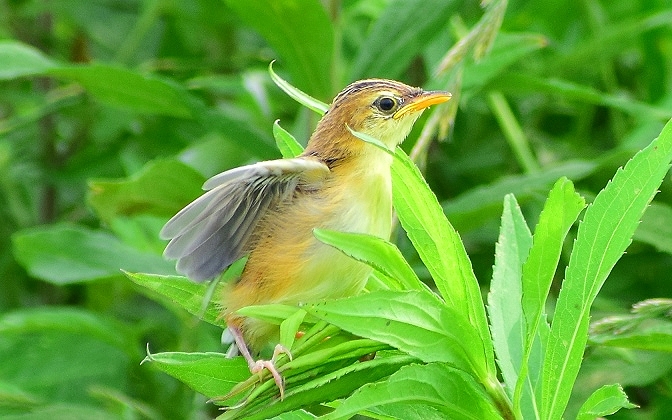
603,236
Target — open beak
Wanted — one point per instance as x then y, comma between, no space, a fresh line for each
422,101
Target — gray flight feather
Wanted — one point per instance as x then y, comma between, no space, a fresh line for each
215,230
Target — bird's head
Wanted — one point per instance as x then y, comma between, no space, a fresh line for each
383,109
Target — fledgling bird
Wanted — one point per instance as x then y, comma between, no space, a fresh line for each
268,211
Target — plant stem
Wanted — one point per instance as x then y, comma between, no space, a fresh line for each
513,133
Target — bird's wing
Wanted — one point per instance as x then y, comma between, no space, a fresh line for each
212,232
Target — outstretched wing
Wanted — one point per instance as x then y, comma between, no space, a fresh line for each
214,230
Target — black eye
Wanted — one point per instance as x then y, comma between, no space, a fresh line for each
387,104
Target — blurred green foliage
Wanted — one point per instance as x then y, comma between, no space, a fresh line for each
113,112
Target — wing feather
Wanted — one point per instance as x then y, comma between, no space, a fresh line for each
215,230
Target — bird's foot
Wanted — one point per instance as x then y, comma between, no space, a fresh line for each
258,366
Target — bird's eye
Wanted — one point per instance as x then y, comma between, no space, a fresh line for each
387,104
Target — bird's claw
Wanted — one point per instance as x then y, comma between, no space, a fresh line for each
258,366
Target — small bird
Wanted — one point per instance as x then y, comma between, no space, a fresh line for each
267,211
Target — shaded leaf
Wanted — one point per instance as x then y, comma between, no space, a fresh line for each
89,254
300,32
400,32
162,188
128,89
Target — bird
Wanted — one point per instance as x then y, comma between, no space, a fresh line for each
267,212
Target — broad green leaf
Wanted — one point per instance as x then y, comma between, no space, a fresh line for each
89,254
41,349
287,144
297,94
128,89
504,300
415,322
439,247
475,207
375,252
161,188
603,236
211,374
398,34
559,214
656,227
19,60
300,32
603,402
67,320
454,393
189,295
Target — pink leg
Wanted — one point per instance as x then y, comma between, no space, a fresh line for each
257,366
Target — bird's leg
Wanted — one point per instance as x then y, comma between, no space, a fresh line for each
257,366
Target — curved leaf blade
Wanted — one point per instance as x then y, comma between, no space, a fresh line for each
603,236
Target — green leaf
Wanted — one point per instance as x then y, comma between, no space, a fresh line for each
603,236
19,60
651,335
454,393
40,343
211,374
295,415
64,411
439,247
300,32
475,207
297,94
403,29
603,402
559,214
89,254
504,300
519,83
287,144
162,188
191,296
316,386
415,322
375,252
128,89
67,320
507,49
656,227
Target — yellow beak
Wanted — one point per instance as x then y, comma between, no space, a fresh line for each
422,101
